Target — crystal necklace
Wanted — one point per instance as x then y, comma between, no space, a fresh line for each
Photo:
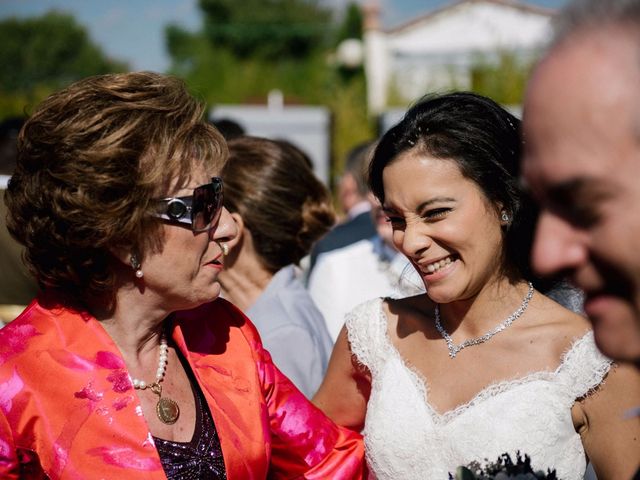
167,409
454,349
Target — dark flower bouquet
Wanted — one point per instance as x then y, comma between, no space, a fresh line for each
503,469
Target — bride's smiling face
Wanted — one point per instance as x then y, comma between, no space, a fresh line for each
444,224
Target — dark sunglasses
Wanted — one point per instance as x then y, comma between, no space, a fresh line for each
201,210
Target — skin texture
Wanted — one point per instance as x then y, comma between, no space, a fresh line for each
437,213
244,277
581,162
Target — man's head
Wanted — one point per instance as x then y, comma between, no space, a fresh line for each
582,162
353,188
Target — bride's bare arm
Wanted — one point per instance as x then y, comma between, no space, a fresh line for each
611,437
344,393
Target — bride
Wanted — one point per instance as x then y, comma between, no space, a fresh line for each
485,364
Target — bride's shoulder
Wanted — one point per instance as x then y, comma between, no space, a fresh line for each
556,326
560,316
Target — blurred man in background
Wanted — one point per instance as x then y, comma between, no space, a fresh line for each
352,194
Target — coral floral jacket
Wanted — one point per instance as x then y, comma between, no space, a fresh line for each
68,409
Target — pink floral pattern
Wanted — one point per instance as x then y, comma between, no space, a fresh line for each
8,390
89,393
12,342
109,360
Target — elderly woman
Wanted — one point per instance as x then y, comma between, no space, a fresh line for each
278,219
127,366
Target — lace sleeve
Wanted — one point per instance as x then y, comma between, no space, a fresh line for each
366,329
583,367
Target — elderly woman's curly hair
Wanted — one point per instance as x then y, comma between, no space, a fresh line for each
91,160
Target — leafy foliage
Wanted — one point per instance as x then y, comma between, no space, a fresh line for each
229,69
503,80
265,28
352,25
49,50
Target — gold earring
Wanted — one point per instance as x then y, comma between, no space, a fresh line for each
225,249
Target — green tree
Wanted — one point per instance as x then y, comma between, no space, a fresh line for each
503,80
265,28
352,24
248,48
51,50
245,49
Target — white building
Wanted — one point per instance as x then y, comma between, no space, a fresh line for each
307,127
438,50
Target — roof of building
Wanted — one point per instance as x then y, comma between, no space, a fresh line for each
473,25
514,4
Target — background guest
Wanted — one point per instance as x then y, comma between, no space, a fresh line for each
352,194
280,209
228,128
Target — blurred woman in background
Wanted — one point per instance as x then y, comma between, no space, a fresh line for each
280,209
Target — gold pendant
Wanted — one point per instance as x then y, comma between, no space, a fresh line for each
167,410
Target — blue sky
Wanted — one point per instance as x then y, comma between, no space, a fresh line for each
133,30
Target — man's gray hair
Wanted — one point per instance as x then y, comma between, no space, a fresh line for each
579,14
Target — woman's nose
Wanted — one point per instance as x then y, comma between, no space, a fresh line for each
413,240
225,230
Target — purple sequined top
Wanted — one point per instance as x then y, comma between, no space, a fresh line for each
201,458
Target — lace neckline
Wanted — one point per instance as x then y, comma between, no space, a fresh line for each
489,391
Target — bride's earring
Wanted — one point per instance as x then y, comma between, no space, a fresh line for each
135,264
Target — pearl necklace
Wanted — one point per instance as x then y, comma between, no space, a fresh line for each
454,349
167,410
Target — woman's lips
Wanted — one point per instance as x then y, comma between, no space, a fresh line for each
216,263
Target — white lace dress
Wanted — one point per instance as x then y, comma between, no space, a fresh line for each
406,439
